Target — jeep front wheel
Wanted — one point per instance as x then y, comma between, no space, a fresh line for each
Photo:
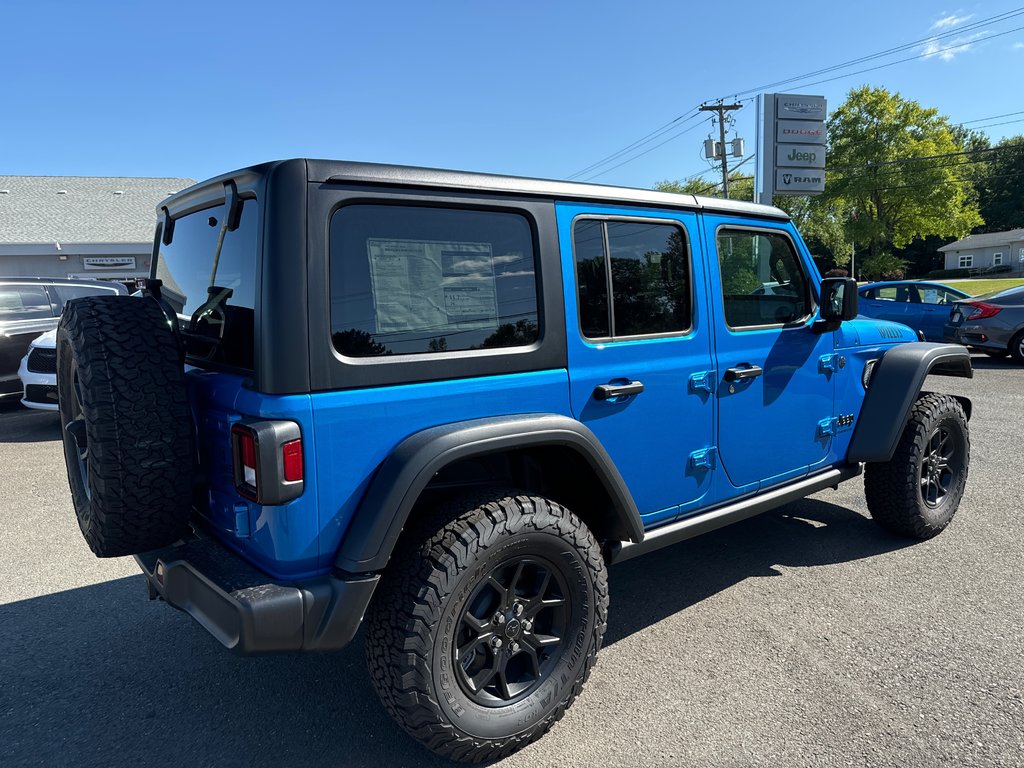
917,492
487,624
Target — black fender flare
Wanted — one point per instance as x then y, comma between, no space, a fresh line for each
895,384
394,490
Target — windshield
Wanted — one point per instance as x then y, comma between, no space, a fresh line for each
204,254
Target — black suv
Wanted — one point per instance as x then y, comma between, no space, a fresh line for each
30,306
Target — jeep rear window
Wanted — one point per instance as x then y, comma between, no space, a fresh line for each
650,278
420,280
190,265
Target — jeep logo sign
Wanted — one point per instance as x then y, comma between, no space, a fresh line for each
794,181
799,156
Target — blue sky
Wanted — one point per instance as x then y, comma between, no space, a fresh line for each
528,88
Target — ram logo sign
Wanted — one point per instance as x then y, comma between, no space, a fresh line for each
799,182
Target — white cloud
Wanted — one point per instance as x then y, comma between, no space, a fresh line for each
947,50
952,20
1018,46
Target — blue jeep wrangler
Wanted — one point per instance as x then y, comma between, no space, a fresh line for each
448,401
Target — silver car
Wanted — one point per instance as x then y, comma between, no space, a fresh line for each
992,323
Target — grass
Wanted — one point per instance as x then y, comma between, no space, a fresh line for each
978,287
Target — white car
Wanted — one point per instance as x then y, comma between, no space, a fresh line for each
38,373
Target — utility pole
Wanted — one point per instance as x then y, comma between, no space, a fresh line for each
721,109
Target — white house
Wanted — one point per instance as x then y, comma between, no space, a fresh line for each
989,250
80,226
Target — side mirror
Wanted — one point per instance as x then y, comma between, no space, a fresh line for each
839,300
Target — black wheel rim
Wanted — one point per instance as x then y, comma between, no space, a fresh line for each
939,467
75,431
512,631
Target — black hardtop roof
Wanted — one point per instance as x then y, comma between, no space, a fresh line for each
348,172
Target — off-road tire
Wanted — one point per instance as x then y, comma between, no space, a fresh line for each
415,620
896,490
1016,348
120,381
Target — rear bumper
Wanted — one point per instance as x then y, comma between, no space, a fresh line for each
248,611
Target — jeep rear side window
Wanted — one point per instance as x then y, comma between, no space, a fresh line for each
414,280
649,271
204,253
763,282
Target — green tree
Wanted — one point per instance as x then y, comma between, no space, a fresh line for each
741,187
884,173
1001,186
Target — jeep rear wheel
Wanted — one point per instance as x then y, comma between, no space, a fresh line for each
487,623
127,424
917,492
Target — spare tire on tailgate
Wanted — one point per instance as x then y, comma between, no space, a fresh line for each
127,423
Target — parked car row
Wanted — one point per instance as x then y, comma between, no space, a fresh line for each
992,323
29,309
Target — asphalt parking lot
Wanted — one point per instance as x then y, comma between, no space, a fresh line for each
805,637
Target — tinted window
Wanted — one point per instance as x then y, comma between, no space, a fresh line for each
408,280
203,254
23,302
650,278
67,292
592,278
763,282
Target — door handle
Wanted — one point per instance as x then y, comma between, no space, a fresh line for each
609,391
746,372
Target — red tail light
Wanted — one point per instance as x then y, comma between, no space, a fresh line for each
246,465
291,455
268,460
981,310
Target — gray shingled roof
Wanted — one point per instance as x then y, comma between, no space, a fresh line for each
986,240
81,209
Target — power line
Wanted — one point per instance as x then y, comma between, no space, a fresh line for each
912,58
647,151
951,181
639,142
691,113
899,161
993,117
890,51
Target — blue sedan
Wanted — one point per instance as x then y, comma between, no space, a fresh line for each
923,306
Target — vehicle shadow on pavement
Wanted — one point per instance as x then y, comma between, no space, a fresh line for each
101,676
22,425
808,532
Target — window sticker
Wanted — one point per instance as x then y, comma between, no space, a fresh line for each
428,284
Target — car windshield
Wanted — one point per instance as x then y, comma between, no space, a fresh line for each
203,254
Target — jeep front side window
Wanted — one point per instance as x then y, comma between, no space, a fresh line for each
763,282
414,280
644,265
